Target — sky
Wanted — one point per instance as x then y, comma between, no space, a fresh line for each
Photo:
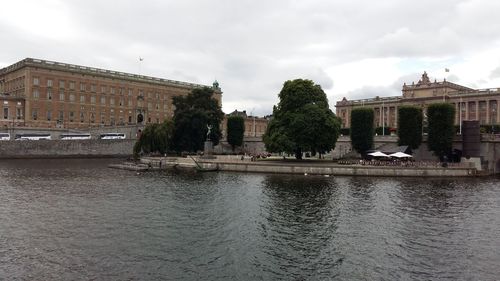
352,48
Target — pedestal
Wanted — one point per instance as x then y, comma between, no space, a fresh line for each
208,150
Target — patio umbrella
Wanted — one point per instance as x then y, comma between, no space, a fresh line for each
378,154
400,155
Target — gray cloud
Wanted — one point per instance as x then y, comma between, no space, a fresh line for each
252,47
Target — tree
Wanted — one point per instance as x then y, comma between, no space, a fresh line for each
410,126
302,120
155,138
235,130
441,117
192,115
362,129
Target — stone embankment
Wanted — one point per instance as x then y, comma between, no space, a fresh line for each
66,148
307,167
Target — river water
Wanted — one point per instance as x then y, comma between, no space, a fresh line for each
79,220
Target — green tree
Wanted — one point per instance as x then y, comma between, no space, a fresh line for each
302,120
156,138
410,126
193,113
235,130
441,117
362,130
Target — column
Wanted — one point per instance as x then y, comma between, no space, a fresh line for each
477,110
466,110
396,116
457,116
488,121
498,111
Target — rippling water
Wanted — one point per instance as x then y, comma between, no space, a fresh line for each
78,220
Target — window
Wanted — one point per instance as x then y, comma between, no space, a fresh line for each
150,106
129,102
130,91
71,97
82,98
61,84
121,101
72,85
49,94
36,94
49,82
61,95
82,86
92,99
49,115
103,117
19,114
36,81
92,117
61,115
71,116
112,90
5,113
82,117
112,101
103,89
34,113
93,88
103,100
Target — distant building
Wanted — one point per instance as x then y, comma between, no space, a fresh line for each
470,104
254,126
46,94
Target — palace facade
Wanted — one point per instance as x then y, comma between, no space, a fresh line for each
46,94
470,104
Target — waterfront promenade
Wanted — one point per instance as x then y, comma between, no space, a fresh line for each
312,167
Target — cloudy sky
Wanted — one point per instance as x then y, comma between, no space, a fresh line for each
352,48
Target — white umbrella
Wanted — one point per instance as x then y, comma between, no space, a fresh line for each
378,154
400,155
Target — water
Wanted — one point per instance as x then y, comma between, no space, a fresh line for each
78,220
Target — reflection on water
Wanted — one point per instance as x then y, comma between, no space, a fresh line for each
77,219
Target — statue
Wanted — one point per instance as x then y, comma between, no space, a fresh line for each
209,127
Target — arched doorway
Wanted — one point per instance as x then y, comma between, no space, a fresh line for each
140,118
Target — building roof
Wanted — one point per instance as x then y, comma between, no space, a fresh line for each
31,62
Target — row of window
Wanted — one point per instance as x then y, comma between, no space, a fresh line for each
103,99
6,115
83,117
103,88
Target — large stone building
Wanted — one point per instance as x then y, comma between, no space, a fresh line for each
254,126
470,104
45,94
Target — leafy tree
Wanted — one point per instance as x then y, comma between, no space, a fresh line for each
362,129
235,130
302,120
192,115
441,117
410,126
154,138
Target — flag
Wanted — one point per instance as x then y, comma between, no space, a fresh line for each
446,70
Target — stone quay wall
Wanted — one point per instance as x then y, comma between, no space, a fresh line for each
66,148
344,170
